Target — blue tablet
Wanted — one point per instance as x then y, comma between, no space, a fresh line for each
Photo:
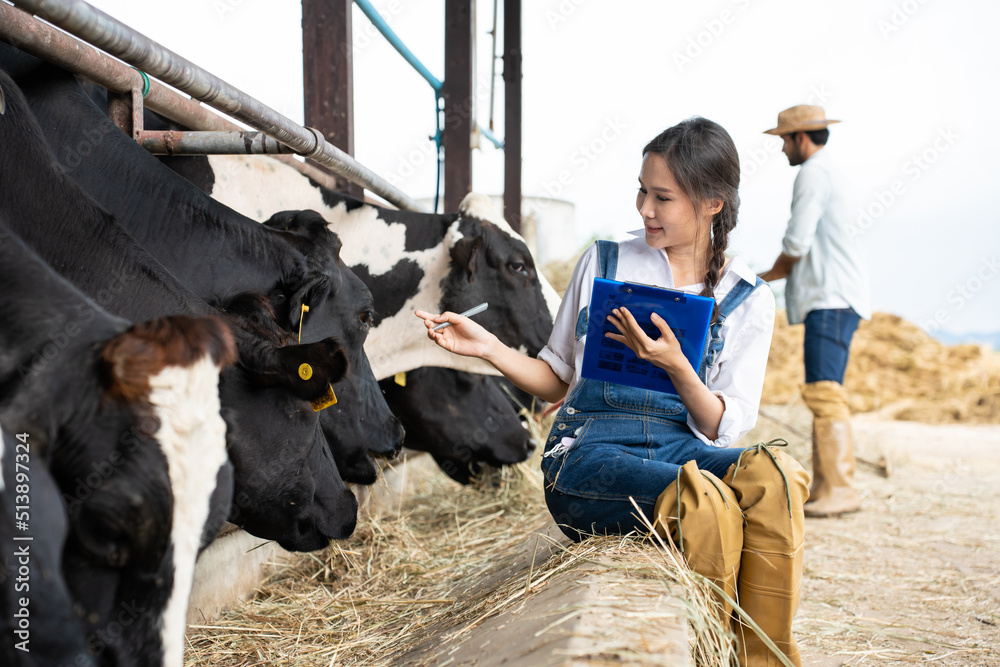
608,360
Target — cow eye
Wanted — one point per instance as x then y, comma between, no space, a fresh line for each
367,318
518,267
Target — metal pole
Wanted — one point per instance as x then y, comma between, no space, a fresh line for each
457,93
105,32
30,35
173,142
393,39
512,113
328,75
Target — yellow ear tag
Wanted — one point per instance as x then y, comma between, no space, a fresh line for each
302,316
324,401
305,371
400,379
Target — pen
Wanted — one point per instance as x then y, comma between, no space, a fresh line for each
469,313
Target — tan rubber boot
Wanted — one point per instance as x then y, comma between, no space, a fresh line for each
771,487
710,529
832,493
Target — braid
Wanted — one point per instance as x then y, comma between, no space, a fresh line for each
720,241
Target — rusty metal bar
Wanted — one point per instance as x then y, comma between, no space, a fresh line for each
173,142
27,33
114,37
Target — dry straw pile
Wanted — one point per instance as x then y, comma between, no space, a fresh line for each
896,367
428,568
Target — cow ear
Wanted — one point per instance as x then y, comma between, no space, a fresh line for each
464,254
311,292
308,370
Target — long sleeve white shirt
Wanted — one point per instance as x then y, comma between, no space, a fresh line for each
738,376
831,271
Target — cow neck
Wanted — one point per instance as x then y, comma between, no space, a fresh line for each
210,248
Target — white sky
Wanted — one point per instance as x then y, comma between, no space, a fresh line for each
909,78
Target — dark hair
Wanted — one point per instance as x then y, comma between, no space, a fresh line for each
703,159
819,137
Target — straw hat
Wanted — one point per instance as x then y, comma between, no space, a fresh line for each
801,118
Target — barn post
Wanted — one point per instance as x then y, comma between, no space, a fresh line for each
328,75
456,137
512,76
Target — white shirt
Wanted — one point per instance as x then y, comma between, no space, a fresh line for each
738,376
831,271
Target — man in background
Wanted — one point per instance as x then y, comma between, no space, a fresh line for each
827,289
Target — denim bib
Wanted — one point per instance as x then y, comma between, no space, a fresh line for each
611,443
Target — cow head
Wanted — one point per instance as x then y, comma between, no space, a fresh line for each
491,263
139,472
462,419
287,486
339,304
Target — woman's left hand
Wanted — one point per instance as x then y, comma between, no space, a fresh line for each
664,352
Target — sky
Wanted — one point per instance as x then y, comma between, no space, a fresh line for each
914,82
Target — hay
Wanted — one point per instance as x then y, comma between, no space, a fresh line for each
897,368
429,565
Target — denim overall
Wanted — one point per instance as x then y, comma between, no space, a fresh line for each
623,442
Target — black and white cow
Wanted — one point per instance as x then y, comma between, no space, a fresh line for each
126,420
413,260
286,485
217,252
37,618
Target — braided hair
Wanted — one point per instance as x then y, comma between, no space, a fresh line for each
704,161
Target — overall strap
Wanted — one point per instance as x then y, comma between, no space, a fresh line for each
607,264
607,259
713,346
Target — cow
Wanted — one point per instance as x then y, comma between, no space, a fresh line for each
463,420
126,420
216,252
407,262
34,601
286,485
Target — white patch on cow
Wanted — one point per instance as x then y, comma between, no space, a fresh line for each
192,436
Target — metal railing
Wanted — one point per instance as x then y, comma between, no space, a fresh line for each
103,31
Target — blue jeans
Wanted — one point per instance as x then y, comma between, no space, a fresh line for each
828,338
622,443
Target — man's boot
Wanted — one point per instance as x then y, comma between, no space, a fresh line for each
833,464
710,529
771,487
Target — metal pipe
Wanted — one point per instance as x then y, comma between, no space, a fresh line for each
172,142
28,34
391,37
109,34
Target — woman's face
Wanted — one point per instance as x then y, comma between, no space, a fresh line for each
668,213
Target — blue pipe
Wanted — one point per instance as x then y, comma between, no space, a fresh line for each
387,32
397,43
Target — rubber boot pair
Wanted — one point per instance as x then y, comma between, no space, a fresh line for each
832,493
703,518
771,488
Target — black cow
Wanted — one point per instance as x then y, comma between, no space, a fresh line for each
39,624
463,420
286,485
217,253
127,421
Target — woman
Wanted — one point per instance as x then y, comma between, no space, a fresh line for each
740,511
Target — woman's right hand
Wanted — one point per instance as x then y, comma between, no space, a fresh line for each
463,337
